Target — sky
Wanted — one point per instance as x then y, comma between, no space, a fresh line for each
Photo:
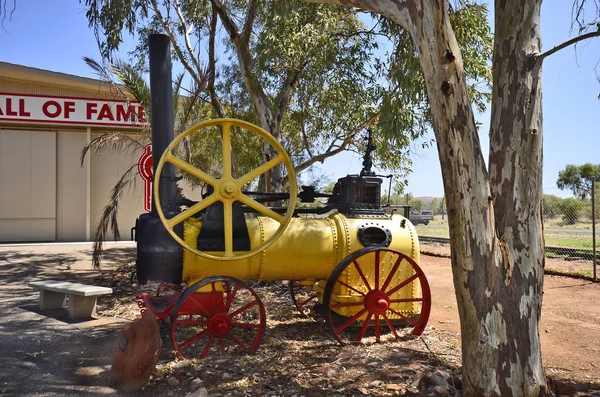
54,35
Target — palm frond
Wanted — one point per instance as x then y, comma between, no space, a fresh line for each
112,141
108,219
176,93
133,82
105,75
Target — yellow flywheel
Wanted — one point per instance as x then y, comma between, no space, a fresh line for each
227,189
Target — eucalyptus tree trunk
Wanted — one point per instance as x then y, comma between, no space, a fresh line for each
494,218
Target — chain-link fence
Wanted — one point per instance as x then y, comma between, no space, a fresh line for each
570,231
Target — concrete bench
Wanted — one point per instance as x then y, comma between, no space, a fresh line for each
82,298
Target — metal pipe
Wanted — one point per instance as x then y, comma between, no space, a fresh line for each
159,256
162,118
594,225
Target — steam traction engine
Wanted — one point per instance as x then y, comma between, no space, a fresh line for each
359,264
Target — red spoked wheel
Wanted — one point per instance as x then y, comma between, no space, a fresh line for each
304,297
217,314
373,293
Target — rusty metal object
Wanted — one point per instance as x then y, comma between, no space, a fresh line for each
136,352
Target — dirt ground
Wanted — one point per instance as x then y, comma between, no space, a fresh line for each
570,318
51,356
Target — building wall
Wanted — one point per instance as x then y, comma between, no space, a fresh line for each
108,167
71,187
45,193
27,185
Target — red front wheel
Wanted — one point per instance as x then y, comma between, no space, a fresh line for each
217,315
376,293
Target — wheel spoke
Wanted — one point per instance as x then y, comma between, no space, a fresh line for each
304,302
261,208
231,297
260,170
193,210
364,328
228,225
377,329
349,287
389,323
402,284
217,297
207,347
376,275
362,275
243,308
410,300
222,343
349,304
403,316
195,338
239,342
226,137
392,272
190,169
350,321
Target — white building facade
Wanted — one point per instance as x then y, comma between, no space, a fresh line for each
46,119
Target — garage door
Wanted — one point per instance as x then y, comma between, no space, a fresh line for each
27,185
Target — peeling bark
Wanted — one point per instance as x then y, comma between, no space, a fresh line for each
495,219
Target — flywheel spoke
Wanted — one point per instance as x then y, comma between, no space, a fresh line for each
193,210
190,169
228,225
255,173
261,208
226,137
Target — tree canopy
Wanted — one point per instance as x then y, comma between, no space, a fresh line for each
579,178
311,75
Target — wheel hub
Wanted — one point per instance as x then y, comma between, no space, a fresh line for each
378,302
228,189
219,324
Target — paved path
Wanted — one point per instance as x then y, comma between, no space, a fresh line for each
39,352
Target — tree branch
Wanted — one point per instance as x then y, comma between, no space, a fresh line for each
250,15
214,99
186,35
286,90
332,152
201,82
393,10
258,96
559,47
